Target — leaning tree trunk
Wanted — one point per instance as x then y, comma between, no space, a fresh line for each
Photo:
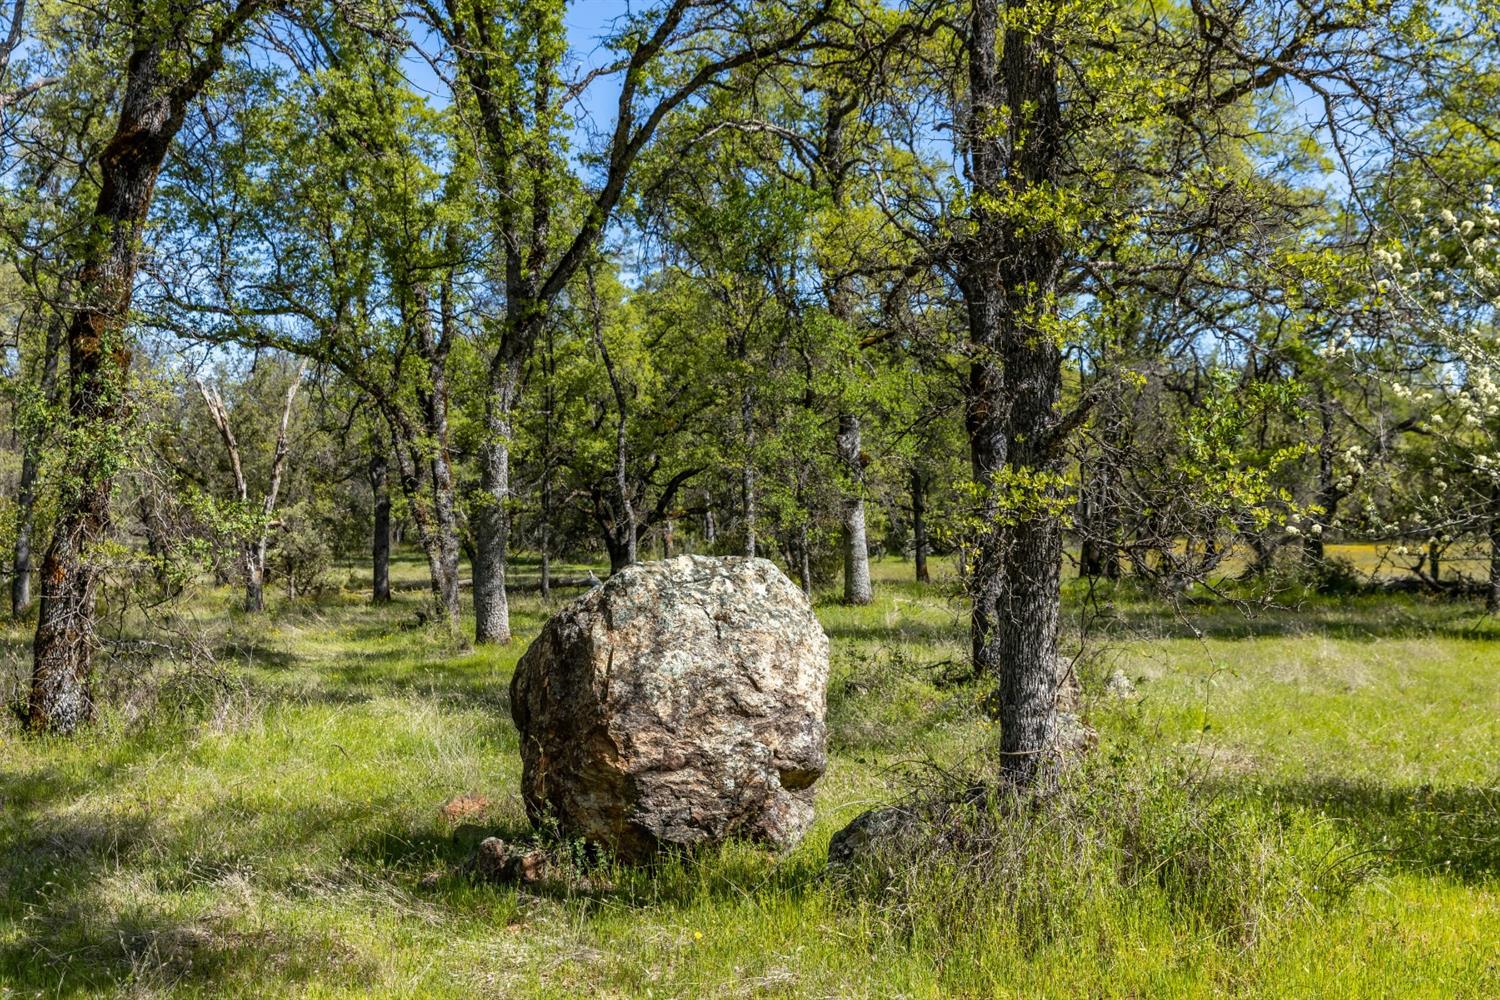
161,80
380,550
856,548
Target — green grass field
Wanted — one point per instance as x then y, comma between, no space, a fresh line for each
278,831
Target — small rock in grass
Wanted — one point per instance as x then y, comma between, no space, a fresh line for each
496,861
870,832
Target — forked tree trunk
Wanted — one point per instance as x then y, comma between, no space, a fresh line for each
253,548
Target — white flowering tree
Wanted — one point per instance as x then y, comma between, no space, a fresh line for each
1440,276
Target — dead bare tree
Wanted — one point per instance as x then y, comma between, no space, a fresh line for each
253,543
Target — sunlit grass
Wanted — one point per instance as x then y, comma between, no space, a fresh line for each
286,839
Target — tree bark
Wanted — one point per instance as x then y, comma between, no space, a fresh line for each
380,551
1009,275
856,549
747,469
152,109
1492,597
492,518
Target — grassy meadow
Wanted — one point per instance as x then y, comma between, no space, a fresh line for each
1297,802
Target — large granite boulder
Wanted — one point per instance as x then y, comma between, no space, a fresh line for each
679,703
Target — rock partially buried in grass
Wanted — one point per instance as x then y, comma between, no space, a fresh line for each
679,704
496,861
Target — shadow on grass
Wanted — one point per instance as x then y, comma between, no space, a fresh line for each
473,681
909,631
1453,832
1358,619
70,939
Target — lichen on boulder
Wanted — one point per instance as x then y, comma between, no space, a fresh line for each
679,703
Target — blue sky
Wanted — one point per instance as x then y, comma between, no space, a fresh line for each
587,21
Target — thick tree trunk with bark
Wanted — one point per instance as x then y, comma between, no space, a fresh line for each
1009,275
380,549
98,363
156,95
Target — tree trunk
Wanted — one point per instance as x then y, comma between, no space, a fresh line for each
1009,276
856,549
98,366
1099,550
415,482
380,552
619,553
545,535
1492,598
492,518
747,469
804,560
1328,494
919,525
